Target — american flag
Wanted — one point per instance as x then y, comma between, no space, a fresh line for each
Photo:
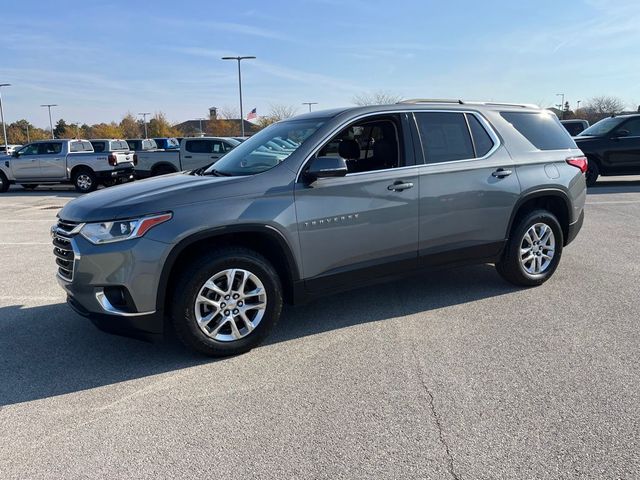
252,114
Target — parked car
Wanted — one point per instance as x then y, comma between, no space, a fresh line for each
63,161
195,152
612,146
142,144
575,126
219,250
167,143
119,148
8,149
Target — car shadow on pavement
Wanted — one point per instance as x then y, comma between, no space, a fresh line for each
41,192
603,186
49,350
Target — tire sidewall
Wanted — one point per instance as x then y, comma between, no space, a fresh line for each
184,315
91,175
4,183
550,220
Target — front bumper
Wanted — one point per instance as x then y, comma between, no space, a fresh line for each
132,267
147,327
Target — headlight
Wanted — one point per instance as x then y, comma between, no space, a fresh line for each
119,230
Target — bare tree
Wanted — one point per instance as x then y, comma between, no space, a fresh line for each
276,113
227,113
597,108
379,97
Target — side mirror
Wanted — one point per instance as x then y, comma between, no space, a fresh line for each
621,133
325,167
15,154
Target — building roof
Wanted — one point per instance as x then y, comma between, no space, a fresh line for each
213,126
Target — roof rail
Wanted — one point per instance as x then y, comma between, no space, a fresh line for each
460,102
432,100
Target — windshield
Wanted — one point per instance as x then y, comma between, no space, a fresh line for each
267,148
602,127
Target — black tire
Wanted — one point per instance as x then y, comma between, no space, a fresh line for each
162,170
4,183
30,186
85,180
510,266
193,278
593,172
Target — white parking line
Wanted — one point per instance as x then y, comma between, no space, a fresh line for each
612,202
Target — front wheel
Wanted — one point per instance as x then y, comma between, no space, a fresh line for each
85,181
533,250
226,302
4,183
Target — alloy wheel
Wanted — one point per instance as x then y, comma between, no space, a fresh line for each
230,305
537,249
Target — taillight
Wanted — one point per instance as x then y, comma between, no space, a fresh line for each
113,160
135,159
579,162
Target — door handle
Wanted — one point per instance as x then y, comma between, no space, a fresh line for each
187,156
399,186
501,173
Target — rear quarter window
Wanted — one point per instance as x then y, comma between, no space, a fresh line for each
542,130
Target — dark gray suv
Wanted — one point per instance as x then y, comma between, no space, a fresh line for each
323,202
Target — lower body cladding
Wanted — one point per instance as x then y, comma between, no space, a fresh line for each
115,285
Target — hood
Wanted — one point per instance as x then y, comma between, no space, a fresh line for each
154,195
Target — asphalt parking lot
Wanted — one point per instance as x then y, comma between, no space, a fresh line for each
455,376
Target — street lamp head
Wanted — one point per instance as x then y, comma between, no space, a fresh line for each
239,58
5,84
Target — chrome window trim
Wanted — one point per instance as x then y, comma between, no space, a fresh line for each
485,124
483,121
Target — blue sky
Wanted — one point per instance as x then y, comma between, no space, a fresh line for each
100,59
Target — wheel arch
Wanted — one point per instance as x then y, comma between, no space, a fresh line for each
156,166
554,200
264,239
77,168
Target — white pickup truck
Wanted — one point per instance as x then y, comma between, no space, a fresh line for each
64,161
194,153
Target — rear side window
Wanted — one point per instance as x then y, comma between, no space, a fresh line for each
98,147
198,146
445,136
481,139
118,145
543,130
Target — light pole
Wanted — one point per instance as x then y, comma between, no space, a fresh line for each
49,105
4,126
561,104
239,59
144,120
201,132
309,103
28,141
578,107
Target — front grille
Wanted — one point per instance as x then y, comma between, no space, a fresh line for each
62,249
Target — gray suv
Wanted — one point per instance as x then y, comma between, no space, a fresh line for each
323,202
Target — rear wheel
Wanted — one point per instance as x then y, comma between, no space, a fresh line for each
85,181
162,170
533,250
4,183
227,302
593,172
